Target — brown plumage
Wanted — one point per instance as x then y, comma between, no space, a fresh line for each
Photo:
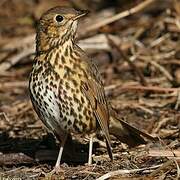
65,86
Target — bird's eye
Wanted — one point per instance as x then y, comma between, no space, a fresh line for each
59,18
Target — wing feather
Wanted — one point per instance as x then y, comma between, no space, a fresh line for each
94,92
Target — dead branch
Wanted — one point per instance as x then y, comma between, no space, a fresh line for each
120,15
15,158
164,153
131,64
149,88
17,84
126,171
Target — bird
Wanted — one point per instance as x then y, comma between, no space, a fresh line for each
66,88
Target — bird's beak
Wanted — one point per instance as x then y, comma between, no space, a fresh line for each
80,14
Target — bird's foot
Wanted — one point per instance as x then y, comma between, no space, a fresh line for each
56,171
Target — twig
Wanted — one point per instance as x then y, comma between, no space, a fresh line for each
162,69
158,41
161,123
131,64
156,65
120,15
164,153
178,101
178,169
166,164
10,85
15,158
170,161
150,88
15,59
20,43
125,171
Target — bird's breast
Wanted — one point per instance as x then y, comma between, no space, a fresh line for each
56,95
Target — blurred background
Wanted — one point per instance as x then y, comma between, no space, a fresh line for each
136,45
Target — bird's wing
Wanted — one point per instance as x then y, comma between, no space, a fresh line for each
94,91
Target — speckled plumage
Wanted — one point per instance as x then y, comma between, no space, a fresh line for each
65,86
56,84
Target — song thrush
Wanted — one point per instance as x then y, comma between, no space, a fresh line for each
66,88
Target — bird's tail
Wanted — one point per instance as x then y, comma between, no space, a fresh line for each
127,133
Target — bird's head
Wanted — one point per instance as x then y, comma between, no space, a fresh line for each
59,24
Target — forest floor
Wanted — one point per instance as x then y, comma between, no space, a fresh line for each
138,55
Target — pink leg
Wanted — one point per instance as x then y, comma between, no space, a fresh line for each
90,150
60,152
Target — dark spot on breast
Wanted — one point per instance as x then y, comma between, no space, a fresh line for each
75,98
66,51
63,106
46,104
72,90
84,126
80,107
61,115
69,98
80,123
46,80
77,90
69,122
63,59
76,53
39,69
60,66
65,118
56,59
36,78
71,104
34,86
56,76
80,116
76,128
84,111
73,113
70,50
89,112
61,81
75,125
51,84
55,86
39,83
87,118
39,88
67,72
82,100
79,75
74,82
49,57
91,124
41,96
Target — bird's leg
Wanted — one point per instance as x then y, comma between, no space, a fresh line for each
60,152
90,150
57,169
